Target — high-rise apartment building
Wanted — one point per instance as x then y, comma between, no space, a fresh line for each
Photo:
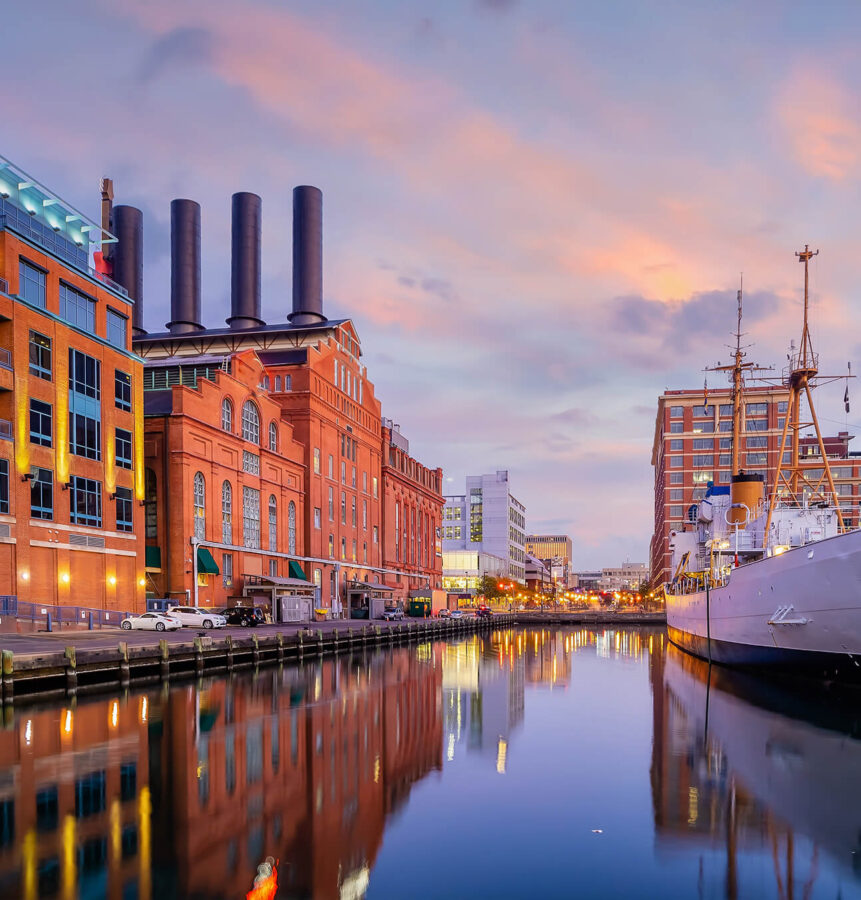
693,446
556,551
487,518
71,413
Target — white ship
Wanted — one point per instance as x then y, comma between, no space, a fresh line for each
771,581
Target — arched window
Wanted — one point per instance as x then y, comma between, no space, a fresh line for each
273,437
250,422
273,522
150,501
199,506
226,415
291,527
226,513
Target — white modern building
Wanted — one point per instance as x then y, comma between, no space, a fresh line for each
462,570
487,519
627,577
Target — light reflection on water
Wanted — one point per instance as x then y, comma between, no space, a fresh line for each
536,762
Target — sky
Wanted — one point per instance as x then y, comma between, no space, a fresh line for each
535,212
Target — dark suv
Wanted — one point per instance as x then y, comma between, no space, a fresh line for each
243,615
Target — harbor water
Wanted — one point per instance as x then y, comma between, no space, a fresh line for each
535,763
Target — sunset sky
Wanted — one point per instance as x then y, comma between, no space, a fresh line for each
535,212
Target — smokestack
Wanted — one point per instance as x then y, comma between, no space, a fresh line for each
127,258
307,256
245,261
184,267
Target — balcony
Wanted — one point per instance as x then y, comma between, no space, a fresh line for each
6,377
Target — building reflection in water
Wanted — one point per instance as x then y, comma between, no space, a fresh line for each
744,764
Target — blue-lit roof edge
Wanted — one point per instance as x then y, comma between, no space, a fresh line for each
106,236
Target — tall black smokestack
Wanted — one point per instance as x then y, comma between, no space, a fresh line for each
307,256
127,258
184,267
245,261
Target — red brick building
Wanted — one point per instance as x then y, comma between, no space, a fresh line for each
222,467
412,512
71,411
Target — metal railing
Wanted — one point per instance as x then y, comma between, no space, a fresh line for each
52,615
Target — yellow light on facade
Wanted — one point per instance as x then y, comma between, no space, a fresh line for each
141,582
64,577
25,575
112,580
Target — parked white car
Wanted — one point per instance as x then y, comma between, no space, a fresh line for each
195,617
151,622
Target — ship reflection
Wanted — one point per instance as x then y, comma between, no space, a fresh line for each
744,764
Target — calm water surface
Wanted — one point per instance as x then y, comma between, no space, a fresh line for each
534,763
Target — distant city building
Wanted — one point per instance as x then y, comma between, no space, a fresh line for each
586,581
627,577
538,577
487,519
463,569
693,446
556,551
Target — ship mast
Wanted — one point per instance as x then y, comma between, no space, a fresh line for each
800,376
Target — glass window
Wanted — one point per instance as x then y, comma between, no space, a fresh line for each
77,309
343,548
702,477
317,517
251,517
704,444
756,425
841,471
122,390
123,448
677,478
199,506
331,466
704,427
782,406
331,546
90,794
756,443
677,494
150,510
725,426
41,423
31,283
676,512
365,515
675,462
316,460
41,494
756,409
85,504
291,527
226,415
353,511
250,462
343,508
343,472
227,569
273,523
85,409
676,412
704,459
375,485
273,437
725,444
4,485
116,329
250,422
331,504
273,568
226,513
724,477
376,534
677,444
677,427
725,459
726,409
40,355
787,457
353,481
703,411
288,382
123,500
756,459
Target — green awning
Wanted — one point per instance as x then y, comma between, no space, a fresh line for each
295,570
205,563
153,557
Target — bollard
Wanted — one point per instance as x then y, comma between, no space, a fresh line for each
48,623
71,672
8,661
123,648
164,659
90,621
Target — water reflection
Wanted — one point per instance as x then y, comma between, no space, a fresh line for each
181,792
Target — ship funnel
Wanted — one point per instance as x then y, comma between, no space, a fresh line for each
745,491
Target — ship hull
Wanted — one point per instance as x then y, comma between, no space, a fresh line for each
799,611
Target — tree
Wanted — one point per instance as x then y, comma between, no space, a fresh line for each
489,588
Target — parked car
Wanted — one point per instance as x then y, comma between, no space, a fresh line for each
243,615
393,613
195,617
151,622
457,614
483,612
444,614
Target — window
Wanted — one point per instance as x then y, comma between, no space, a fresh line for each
77,309
787,457
756,459
343,472
725,444
291,527
343,548
705,427
273,523
251,517
226,513
123,448
675,462
250,422
122,390
756,409
724,477
123,500
316,460
841,471
677,444
151,510
40,355
41,423
90,794
331,546
843,490
227,569
85,409
364,551
353,511
85,504
4,485
676,412
703,411
265,382
704,444
703,477
677,478
226,415
677,427
343,508
365,515
199,506
756,425
756,443
782,406
365,482
725,459
273,437
116,330
726,409
376,534
331,504
725,426
375,486
273,568
676,494
331,466
250,462
41,494
676,512
31,283
704,459
317,517
354,557
288,382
